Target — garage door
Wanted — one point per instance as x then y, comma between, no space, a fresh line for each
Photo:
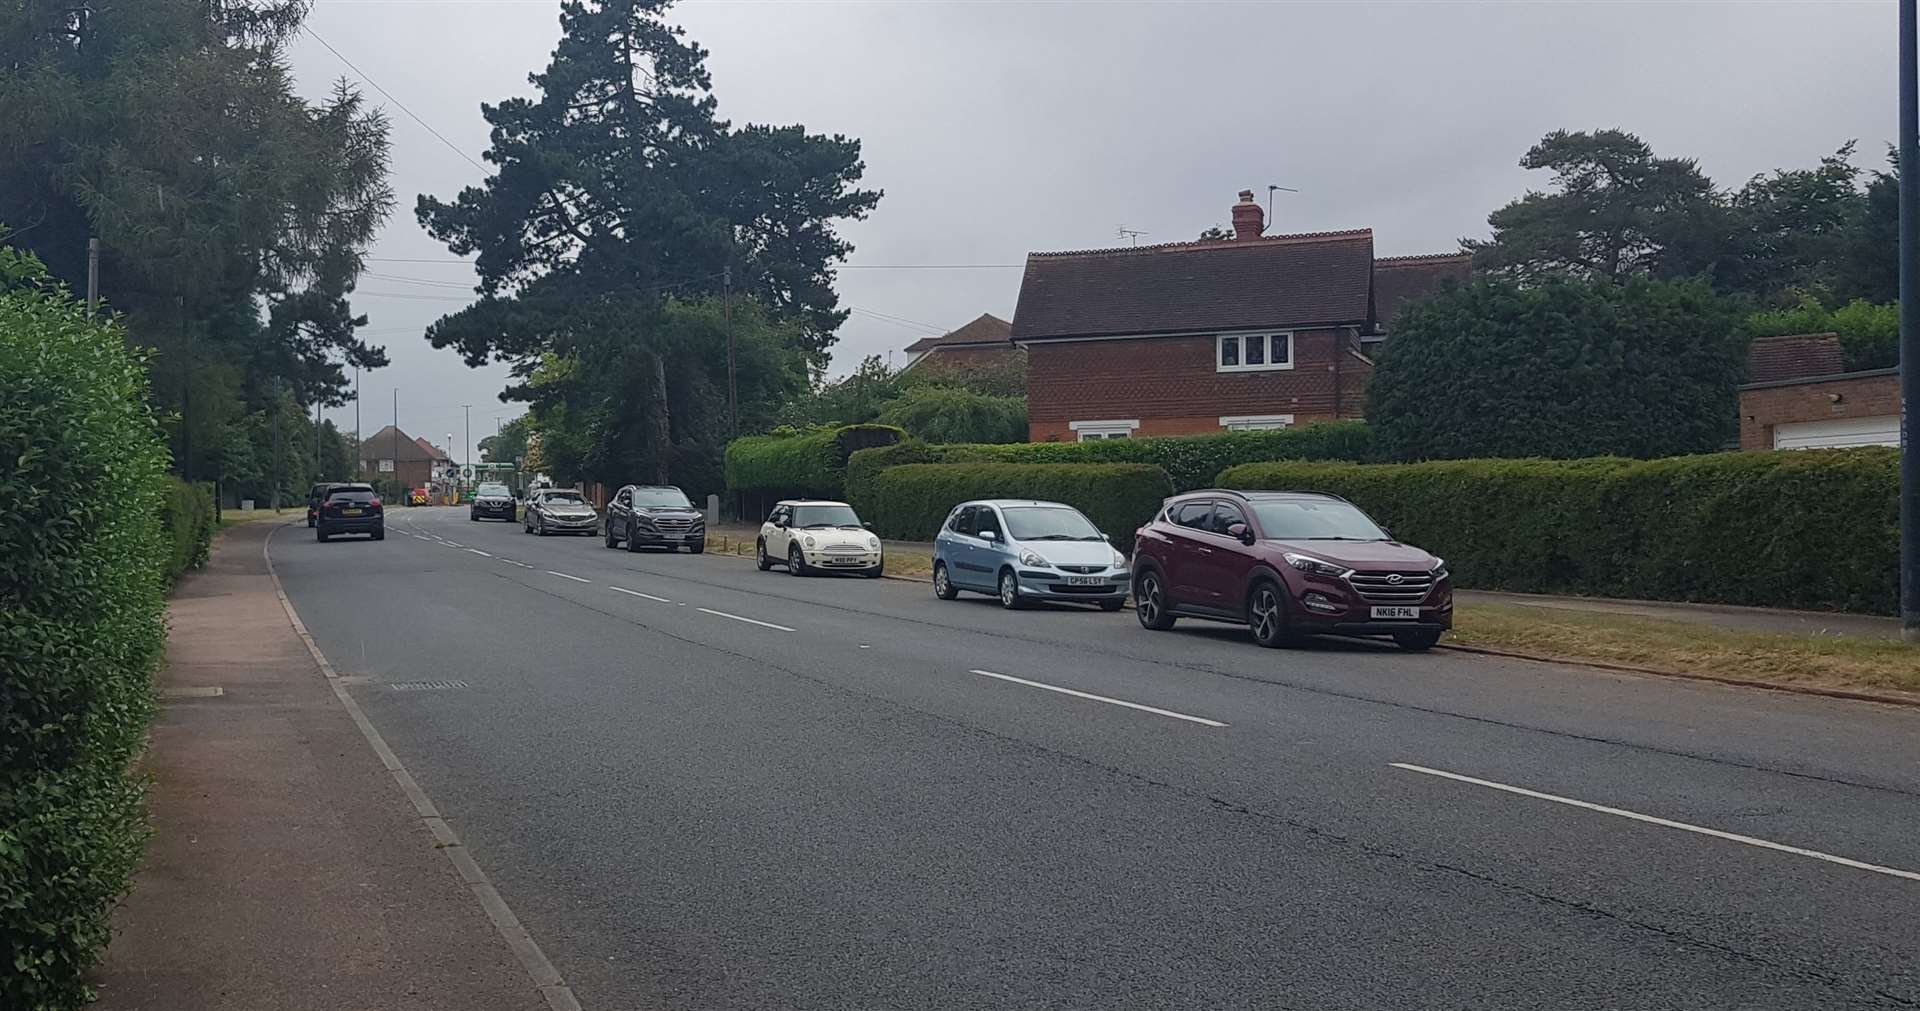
1882,431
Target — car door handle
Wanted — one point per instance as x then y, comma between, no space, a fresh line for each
1203,549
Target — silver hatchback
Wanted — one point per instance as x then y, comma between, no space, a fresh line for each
1020,550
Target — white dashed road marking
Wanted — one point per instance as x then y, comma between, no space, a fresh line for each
637,593
1662,822
750,621
477,551
563,575
1102,698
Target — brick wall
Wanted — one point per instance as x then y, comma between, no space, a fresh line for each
1865,397
1171,385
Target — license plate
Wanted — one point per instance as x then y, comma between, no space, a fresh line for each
1397,612
1086,580
349,512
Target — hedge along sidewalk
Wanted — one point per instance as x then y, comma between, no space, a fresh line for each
286,870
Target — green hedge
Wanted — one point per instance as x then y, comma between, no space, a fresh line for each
911,501
1815,529
806,463
1191,461
187,517
83,563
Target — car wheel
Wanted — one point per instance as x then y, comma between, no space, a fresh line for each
1150,602
1010,597
320,535
942,583
539,528
796,562
697,548
877,571
633,543
760,559
1111,606
309,523
379,533
473,517
612,541
1417,640
1267,615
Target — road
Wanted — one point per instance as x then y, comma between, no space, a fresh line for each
702,786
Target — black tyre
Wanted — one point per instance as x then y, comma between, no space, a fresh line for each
697,548
942,583
320,535
876,572
612,541
1417,640
1111,606
1010,597
1267,614
1150,603
796,562
539,528
379,533
472,516
760,559
633,543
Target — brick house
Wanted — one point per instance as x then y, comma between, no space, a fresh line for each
983,342
1184,338
391,454
1799,395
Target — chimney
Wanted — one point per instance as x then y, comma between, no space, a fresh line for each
1248,221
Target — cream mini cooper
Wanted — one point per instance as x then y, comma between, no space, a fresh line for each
808,536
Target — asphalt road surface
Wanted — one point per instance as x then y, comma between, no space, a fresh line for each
702,786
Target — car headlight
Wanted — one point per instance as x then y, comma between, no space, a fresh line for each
1119,560
1440,569
873,544
1032,559
809,542
1310,564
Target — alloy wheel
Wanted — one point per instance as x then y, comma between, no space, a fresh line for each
1263,616
1009,591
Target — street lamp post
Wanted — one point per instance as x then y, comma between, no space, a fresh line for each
1909,325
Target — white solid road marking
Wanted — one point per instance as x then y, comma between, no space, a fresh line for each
1102,698
1662,822
563,575
637,593
750,621
477,551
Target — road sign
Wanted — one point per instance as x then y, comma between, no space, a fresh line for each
467,472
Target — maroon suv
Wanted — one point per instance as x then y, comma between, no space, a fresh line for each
1286,564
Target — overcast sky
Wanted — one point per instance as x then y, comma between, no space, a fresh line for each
1002,128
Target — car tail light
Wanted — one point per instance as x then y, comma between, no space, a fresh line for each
375,503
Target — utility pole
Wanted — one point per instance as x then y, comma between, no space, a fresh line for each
274,495
733,383
358,454
93,277
1909,326
466,451
396,434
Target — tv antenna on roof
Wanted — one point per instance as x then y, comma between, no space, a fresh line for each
1270,189
1132,235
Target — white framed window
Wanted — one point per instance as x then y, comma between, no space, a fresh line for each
1253,352
386,466
1094,431
1255,422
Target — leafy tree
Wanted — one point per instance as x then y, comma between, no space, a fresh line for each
945,414
1617,211
1002,377
1870,262
509,444
853,399
1869,333
1795,227
1559,369
1214,233
617,185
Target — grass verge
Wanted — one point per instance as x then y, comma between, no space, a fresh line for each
232,517
726,541
1825,661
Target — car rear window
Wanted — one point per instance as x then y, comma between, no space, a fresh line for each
357,495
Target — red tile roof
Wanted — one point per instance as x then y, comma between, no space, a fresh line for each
1321,278
1398,280
433,451
1795,356
987,329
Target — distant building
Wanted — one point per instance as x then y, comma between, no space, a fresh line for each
392,455
985,341
1799,395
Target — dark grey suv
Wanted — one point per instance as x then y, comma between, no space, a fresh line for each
659,515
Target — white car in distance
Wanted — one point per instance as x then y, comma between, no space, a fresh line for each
808,536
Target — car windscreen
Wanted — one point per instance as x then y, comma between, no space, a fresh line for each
660,498
1048,523
494,491
1308,520
825,516
563,498
351,496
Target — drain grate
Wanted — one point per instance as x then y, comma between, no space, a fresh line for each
426,686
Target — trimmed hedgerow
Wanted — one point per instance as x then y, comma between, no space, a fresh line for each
912,500
187,516
1816,529
805,463
1191,461
83,579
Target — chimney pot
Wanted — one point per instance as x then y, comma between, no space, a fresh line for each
1248,220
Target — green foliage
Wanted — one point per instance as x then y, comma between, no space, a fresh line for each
1005,376
83,566
187,517
912,500
956,414
509,444
1869,333
1814,529
1190,461
853,399
1561,369
801,463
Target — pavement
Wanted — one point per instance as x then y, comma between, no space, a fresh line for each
286,870
702,786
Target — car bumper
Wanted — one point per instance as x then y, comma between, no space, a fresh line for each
560,526
697,535
852,561
504,512
1041,584
351,525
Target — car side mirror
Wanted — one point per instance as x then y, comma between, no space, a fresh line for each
1240,532
867,525
989,535
1107,537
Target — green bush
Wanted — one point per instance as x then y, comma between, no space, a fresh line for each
1191,461
804,463
912,500
187,516
954,414
83,564
1815,529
